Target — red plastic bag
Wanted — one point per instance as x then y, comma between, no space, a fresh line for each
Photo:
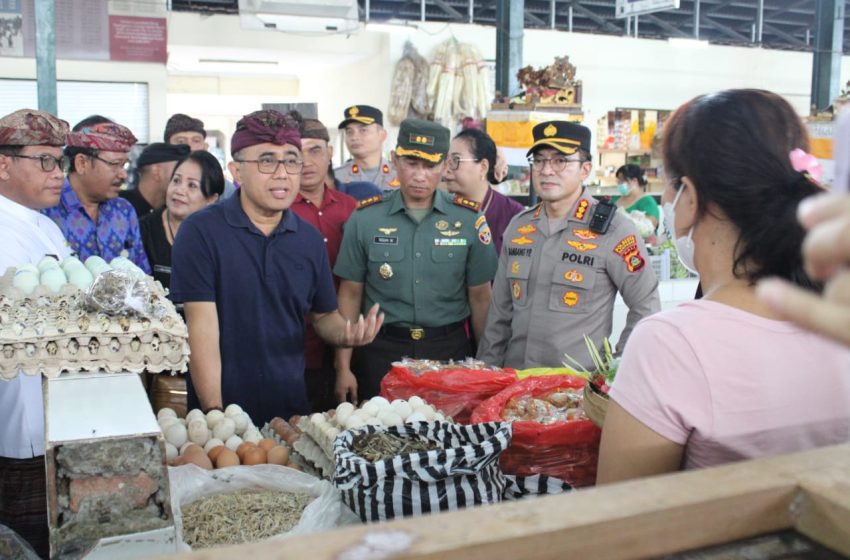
454,391
565,450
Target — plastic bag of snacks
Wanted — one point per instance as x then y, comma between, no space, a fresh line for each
222,507
455,390
551,433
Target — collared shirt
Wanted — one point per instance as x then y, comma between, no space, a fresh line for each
500,210
384,176
418,272
329,219
139,202
116,230
27,237
556,284
263,288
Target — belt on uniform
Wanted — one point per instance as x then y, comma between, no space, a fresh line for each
419,333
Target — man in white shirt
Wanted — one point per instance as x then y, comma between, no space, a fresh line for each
31,176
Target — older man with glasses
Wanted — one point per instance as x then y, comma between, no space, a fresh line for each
251,273
563,262
93,218
31,175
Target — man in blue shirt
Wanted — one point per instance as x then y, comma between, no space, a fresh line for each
249,272
92,217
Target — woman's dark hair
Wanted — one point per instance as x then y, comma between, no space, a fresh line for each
631,171
734,146
212,177
482,147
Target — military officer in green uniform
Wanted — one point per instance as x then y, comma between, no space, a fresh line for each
425,255
364,137
559,271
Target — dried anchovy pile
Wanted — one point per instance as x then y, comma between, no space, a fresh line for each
241,517
382,446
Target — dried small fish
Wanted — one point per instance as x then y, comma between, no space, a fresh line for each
241,517
382,445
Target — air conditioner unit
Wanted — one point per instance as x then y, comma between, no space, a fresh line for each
300,16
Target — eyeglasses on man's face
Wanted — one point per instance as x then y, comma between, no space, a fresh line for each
268,165
48,162
114,165
557,163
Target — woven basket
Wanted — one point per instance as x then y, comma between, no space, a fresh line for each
595,404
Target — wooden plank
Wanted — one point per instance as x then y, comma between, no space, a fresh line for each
636,519
822,511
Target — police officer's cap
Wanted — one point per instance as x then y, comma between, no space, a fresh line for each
423,139
363,114
566,137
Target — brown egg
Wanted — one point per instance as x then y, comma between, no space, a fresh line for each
294,466
266,444
193,449
276,422
243,448
293,421
179,461
278,455
226,458
255,456
200,460
213,454
291,438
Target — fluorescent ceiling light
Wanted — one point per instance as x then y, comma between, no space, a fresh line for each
687,43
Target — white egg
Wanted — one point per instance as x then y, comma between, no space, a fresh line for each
198,432
427,411
185,446
166,412
372,421
46,263
402,408
343,411
439,417
415,417
95,264
176,434
353,422
167,421
214,417
415,402
233,442
232,410
224,428
332,433
242,422
196,414
121,263
390,418
28,267
53,279
71,264
252,435
212,443
26,281
318,419
381,402
369,409
171,452
81,278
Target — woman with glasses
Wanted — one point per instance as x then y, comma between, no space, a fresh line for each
724,378
471,171
197,182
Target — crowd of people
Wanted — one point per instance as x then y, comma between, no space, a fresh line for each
301,283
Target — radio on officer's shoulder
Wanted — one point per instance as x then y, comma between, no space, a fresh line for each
602,216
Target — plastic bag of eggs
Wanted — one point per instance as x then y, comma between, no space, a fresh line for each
379,411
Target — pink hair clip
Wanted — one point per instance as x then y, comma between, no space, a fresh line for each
805,162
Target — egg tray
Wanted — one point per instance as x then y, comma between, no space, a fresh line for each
268,432
306,466
315,456
49,333
318,436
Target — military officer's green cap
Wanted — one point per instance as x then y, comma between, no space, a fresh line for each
363,114
423,139
566,137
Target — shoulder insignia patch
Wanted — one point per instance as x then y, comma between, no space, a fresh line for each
484,235
581,209
481,219
369,201
466,203
625,245
585,234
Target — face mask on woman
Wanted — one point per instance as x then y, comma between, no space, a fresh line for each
684,245
624,189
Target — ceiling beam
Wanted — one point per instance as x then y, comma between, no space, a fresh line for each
672,30
601,21
449,10
787,36
725,29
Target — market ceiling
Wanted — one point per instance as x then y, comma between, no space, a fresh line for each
788,24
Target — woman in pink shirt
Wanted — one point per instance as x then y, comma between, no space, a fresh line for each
724,379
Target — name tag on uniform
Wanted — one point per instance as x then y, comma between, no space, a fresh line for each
385,240
443,242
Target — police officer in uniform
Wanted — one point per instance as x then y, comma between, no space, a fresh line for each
563,262
425,255
364,137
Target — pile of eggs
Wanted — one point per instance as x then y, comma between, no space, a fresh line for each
378,411
217,439
52,274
